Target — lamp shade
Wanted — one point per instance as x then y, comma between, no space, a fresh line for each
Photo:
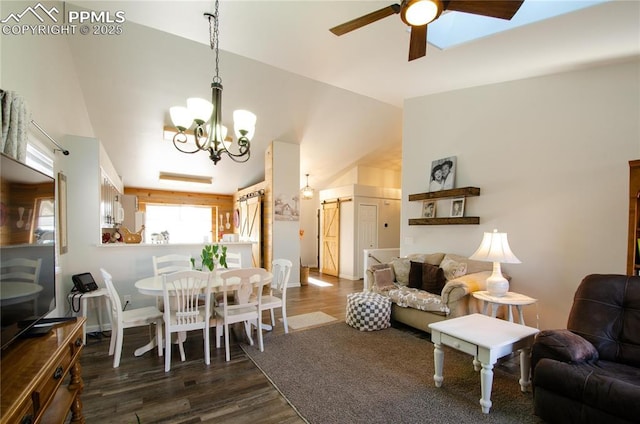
495,248
200,109
243,120
181,117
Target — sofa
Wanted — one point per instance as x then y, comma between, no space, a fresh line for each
427,288
590,371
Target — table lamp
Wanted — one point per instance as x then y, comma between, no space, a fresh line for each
495,248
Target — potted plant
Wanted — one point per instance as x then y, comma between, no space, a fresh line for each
212,256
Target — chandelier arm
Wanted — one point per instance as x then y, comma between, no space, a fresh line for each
180,139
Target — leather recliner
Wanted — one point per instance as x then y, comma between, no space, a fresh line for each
590,372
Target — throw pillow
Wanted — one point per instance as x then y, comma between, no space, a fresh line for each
427,277
433,279
383,279
415,275
453,269
401,270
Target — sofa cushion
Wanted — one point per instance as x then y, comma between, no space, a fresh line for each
402,266
427,277
472,266
453,269
383,279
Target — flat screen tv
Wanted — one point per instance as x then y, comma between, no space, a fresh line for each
27,235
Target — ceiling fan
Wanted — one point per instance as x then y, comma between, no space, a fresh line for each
418,13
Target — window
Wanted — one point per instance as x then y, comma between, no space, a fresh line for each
183,223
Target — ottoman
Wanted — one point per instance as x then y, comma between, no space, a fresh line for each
368,311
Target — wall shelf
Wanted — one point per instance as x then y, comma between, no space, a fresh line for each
446,194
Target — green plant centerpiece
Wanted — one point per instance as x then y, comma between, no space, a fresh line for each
212,256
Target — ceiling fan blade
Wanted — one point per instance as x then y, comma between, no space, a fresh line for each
418,43
504,9
365,20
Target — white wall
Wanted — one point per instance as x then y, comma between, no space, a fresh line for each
286,169
551,156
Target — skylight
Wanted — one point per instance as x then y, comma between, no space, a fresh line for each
455,28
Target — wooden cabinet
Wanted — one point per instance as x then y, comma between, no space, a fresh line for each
446,194
41,380
633,256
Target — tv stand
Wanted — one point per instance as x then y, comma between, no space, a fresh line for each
40,378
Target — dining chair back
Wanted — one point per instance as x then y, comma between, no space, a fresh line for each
21,270
182,291
277,297
171,263
247,284
234,260
120,320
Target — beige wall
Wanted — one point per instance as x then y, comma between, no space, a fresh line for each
551,156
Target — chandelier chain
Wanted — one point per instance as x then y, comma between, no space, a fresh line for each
214,40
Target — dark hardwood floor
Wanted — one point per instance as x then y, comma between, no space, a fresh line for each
192,392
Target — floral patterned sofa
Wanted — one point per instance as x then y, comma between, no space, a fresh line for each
426,288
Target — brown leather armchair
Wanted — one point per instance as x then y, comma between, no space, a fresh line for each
590,372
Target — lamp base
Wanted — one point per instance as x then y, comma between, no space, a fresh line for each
497,285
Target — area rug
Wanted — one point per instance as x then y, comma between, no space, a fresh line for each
297,322
337,374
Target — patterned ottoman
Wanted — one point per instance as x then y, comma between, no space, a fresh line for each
368,311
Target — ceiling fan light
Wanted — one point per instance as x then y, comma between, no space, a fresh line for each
421,12
200,109
181,117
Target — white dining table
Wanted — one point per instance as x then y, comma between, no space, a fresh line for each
152,286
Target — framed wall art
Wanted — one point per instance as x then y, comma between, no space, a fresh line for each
457,207
429,209
443,173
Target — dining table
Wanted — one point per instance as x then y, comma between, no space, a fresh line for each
13,292
152,286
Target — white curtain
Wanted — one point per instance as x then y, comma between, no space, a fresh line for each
14,120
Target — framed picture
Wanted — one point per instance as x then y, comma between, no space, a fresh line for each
429,209
62,212
457,207
443,173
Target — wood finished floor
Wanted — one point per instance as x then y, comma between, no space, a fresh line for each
192,392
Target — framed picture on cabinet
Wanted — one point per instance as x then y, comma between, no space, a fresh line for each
429,209
457,207
443,173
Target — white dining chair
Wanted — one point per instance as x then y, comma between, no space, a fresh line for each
171,263
277,297
234,260
182,291
120,320
247,306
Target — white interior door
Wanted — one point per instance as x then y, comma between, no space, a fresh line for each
367,233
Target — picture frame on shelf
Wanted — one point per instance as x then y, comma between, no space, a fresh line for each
429,208
457,207
443,173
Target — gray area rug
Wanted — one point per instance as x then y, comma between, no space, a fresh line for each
337,374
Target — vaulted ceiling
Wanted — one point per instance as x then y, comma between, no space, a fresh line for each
340,98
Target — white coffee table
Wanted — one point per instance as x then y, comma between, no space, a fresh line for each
487,339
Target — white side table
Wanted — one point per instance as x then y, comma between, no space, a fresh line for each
510,299
486,339
95,295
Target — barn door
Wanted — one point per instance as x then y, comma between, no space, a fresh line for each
250,227
330,238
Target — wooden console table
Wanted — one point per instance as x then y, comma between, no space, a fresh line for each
41,380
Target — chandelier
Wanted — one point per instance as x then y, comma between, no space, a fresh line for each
307,191
209,133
